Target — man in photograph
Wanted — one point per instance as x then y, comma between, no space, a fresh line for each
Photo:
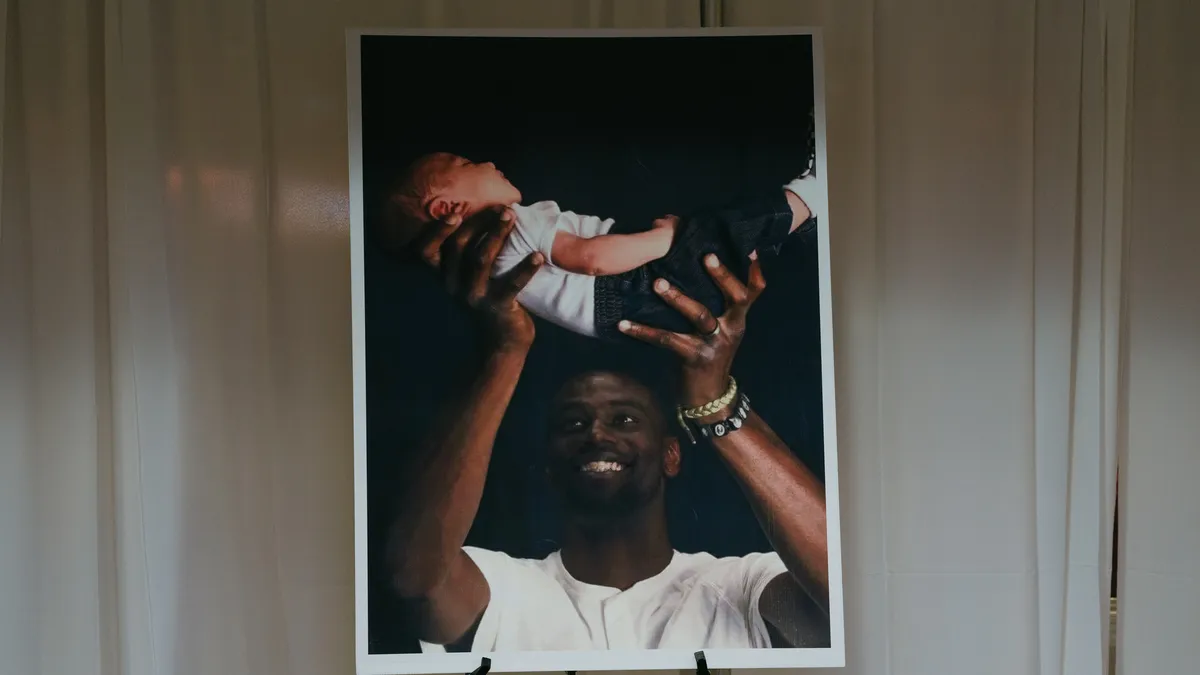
616,582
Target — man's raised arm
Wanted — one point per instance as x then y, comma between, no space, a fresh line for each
785,496
443,482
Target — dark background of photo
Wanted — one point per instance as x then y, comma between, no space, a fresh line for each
628,128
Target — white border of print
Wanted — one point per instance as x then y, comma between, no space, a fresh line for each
653,659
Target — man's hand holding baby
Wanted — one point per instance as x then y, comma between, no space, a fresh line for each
450,237
464,251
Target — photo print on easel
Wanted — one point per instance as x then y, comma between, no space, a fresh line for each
593,355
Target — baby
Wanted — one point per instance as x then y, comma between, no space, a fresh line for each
594,277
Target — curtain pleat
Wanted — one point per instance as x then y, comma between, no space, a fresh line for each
1159,581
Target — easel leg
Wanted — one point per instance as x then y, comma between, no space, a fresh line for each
485,664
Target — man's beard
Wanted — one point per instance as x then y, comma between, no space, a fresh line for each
624,502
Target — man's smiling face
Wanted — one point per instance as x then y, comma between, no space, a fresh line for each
609,453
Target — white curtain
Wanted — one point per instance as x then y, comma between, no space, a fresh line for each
1015,303
1159,620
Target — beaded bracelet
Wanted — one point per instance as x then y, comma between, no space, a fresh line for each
687,416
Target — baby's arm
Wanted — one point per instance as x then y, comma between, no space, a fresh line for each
609,253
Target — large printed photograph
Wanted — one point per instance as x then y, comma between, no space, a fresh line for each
593,356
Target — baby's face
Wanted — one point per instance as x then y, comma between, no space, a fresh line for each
476,185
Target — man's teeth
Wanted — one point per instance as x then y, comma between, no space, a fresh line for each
601,467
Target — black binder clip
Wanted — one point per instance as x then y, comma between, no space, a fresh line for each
485,664
701,664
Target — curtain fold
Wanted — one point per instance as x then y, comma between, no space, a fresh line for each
1159,580
1013,312
57,431
18,633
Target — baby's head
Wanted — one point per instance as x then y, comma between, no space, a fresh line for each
438,184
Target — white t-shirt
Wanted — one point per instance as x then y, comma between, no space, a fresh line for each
567,299
697,602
